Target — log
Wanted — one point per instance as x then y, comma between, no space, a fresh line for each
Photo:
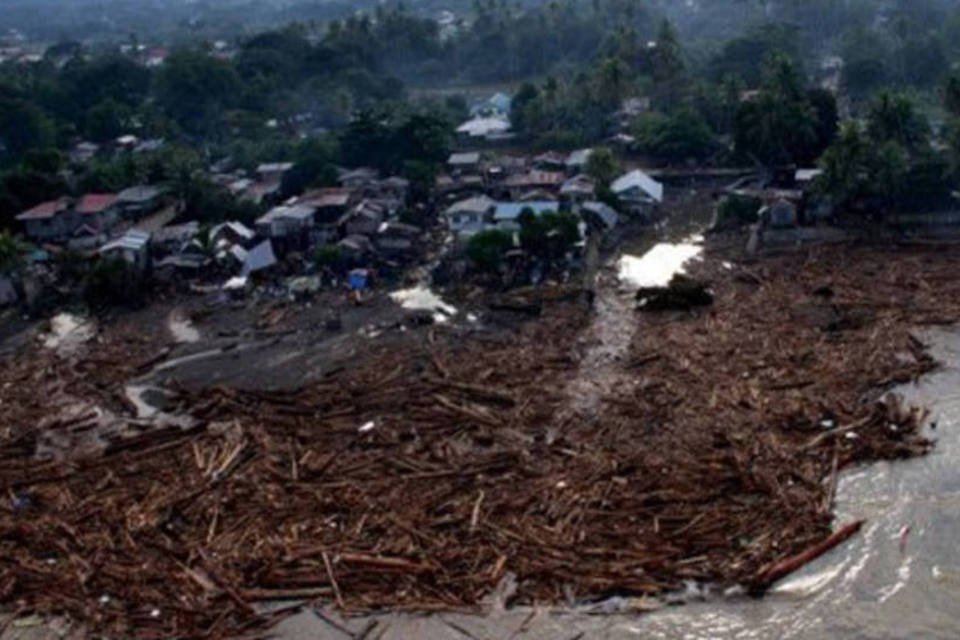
779,570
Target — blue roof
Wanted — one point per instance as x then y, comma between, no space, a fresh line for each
512,210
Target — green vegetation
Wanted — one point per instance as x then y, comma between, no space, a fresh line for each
487,249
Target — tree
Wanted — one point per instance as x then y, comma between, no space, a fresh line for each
602,166
674,138
107,119
548,236
778,126
487,249
892,117
195,89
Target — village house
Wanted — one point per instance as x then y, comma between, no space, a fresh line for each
83,152
273,172
231,232
515,186
496,105
577,161
356,249
138,201
259,259
550,161
355,179
483,128
465,162
578,189
470,216
98,211
394,188
289,224
50,221
638,192
599,215
506,215
133,247
396,239
364,219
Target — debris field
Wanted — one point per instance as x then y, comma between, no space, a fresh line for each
428,475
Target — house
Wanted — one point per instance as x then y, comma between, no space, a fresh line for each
483,128
133,247
578,189
98,211
83,152
356,248
139,201
638,191
149,146
599,215
358,178
127,142
395,187
805,177
470,216
577,161
550,161
496,105
329,204
233,232
156,57
537,194
171,238
285,221
363,219
466,162
516,185
259,259
397,238
49,221
506,215
273,172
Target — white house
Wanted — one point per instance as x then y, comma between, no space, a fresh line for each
470,216
637,190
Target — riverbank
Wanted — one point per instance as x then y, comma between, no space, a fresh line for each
431,469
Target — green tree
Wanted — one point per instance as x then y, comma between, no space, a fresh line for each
107,120
674,138
602,166
893,117
487,249
195,90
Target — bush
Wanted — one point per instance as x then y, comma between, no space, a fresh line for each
737,211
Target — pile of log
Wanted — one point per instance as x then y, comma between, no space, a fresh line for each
425,474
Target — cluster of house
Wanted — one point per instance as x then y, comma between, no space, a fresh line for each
359,219
490,192
85,151
92,222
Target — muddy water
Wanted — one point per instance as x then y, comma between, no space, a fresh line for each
882,584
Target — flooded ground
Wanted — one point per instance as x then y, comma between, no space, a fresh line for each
899,579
